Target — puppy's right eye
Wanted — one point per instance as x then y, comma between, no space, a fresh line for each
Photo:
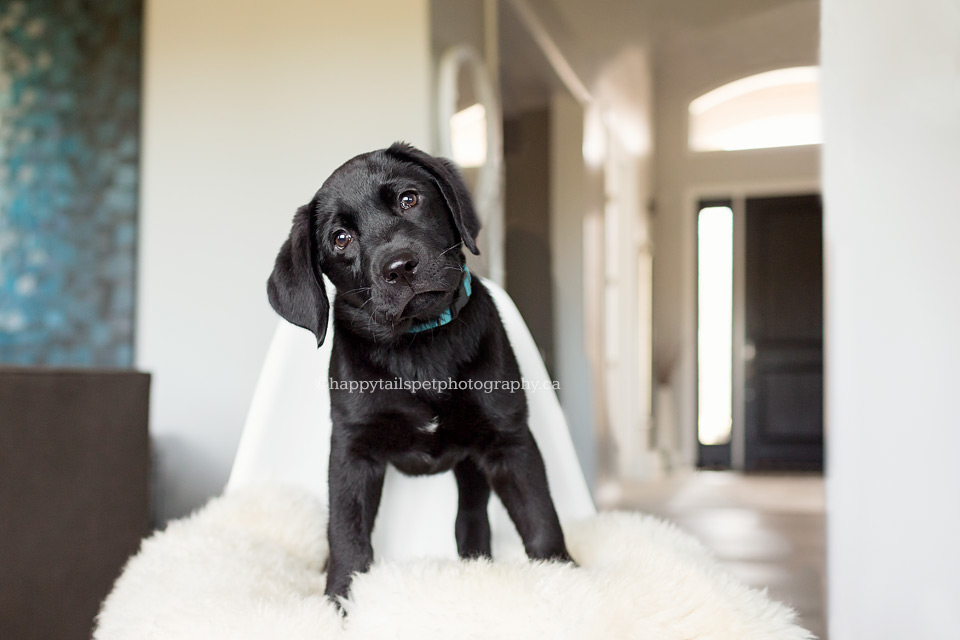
409,199
341,239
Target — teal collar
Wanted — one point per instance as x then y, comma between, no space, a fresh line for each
451,312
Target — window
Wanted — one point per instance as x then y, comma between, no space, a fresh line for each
468,136
773,109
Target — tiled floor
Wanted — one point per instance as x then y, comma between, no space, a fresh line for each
767,529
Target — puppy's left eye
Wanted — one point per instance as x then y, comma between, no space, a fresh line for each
409,199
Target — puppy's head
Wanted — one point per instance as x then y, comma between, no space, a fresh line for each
387,229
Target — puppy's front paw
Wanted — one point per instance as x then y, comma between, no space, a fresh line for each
338,588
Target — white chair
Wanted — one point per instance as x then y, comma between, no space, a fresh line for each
286,440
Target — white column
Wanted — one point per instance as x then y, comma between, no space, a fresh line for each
891,108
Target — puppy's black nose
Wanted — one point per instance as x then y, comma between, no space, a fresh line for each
400,267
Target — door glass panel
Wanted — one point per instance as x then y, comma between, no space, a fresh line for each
714,324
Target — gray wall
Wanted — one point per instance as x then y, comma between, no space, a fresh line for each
548,197
572,198
527,212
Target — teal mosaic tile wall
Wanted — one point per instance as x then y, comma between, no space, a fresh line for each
69,158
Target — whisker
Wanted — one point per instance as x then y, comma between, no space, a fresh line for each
449,248
353,323
354,291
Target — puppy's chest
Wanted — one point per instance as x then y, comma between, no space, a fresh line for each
432,421
428,446
422,437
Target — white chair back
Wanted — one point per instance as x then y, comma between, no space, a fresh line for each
286,439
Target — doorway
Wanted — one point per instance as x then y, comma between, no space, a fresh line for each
760,333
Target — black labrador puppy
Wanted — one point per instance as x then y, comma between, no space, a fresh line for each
424,342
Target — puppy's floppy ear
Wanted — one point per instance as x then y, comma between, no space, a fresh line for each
295,288
451,184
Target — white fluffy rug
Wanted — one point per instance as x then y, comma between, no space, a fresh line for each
248,565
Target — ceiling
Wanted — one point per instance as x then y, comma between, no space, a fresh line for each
592,32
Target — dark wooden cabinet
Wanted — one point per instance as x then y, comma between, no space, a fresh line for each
74,494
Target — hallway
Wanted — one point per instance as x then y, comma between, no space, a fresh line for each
768,530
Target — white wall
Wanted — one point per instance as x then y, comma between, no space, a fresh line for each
248,106
891,108
688,63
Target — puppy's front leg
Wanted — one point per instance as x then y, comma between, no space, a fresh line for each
355,487
517,475
473,525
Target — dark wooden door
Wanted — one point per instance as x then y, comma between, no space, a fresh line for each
783,389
